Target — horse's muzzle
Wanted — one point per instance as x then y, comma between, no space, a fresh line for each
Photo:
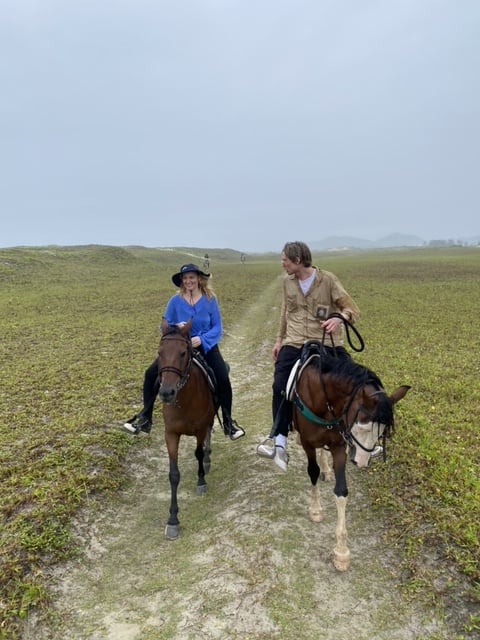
360,459
167,395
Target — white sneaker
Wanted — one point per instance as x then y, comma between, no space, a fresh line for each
281,457
266,451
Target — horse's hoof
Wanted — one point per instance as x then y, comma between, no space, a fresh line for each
172,531
201,489
341,561
315,516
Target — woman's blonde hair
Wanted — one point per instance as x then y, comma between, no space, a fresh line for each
204,286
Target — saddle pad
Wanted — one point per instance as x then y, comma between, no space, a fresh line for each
290,388
295,373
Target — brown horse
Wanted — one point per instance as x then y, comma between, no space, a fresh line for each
339,405
188,409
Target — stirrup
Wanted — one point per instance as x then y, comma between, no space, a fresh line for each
270,442
232,429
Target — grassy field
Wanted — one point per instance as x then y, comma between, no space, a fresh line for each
79,325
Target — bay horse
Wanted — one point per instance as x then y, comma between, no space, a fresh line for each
338,406
188,408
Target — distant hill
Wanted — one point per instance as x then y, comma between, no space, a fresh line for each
393,240
349,242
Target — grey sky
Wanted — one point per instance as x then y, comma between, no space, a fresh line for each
237,123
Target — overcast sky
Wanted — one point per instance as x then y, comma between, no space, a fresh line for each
238,123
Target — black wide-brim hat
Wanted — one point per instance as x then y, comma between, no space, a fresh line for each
187,268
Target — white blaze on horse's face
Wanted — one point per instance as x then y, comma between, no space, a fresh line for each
367,435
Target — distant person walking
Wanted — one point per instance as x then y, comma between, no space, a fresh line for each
310,296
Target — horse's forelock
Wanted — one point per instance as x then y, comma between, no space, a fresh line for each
383,413
173,329
170,329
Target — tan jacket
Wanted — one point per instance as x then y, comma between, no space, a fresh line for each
301,315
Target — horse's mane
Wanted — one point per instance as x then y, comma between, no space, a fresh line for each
358,374
346,368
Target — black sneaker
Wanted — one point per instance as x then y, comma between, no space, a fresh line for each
137,424
233,429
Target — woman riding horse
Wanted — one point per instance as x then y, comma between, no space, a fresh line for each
194,301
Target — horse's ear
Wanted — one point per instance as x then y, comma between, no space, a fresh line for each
185,330
164,326
399,393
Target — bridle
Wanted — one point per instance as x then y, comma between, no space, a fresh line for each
341,422
347,435
182,375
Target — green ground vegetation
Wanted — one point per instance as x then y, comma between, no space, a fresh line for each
80,324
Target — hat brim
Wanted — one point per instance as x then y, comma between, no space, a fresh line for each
177,277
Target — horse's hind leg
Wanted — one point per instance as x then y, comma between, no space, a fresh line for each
200,456
326,471
207,450
315,511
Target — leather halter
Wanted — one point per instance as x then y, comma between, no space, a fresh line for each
337,421
182,375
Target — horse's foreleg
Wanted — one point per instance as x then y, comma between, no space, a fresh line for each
173,524
200,455
341,552
315,511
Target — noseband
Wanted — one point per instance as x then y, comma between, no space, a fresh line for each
182,375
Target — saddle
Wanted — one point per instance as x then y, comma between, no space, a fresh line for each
310,350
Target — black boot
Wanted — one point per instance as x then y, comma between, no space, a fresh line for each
232,429
139,423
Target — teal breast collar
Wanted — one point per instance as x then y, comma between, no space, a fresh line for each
305,411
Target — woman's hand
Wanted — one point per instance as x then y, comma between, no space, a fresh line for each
196,342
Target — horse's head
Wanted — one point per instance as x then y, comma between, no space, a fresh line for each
370,414
174,360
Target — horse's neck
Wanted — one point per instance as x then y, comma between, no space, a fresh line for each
336,391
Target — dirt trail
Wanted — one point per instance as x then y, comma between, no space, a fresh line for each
248,564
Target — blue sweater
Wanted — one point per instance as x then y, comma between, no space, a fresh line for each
205,314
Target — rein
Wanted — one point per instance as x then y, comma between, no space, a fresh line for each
348,326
